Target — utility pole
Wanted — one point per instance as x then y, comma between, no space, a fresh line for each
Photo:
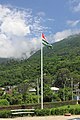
64,92
38,89
72,87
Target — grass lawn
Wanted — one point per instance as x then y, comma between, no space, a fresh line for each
70,106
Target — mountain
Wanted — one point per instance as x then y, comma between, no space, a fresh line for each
61,64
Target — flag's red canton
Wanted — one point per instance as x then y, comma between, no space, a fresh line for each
43,36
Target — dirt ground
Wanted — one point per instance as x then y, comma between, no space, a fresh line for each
44,118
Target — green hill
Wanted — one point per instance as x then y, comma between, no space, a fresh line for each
61,64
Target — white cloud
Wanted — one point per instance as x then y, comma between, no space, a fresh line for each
74,1
17,28
6,48
41,14
4,11
18,48
73,23
75,5
13,22
77,8
14,27
49,19
64,34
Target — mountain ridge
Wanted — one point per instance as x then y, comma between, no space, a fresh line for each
60,63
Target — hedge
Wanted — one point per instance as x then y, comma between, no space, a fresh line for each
5,113
43,112
57,111
73,109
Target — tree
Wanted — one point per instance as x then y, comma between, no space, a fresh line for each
65,92
61,77
48,94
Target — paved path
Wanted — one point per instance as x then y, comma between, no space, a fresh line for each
44,118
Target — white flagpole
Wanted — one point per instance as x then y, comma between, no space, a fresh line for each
41,75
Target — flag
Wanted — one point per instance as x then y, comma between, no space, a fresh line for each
45,42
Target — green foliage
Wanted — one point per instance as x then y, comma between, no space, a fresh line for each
72,110
32,98
77,111
43,112
61,76
5,113
52,111
67,92
48,93
58,111
4,102
12,99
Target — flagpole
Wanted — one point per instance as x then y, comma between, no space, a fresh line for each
41,75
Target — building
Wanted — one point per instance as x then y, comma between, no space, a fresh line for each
55,89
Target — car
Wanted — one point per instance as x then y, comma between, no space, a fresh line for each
74,119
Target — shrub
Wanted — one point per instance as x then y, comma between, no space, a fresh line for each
52,111
46,111
5,113
4,102
42,112
57,111
72,110
61,111
77,111
39,112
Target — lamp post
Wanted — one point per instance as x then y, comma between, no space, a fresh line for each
72,87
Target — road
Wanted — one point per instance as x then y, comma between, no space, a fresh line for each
44,118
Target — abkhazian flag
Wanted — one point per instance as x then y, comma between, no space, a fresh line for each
45,42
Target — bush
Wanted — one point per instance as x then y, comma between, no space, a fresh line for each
61,111
52,111
46,112
5,113
72,110
39,112
42,112
4,102
77,111
57,111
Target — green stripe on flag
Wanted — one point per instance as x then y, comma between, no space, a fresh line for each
46,43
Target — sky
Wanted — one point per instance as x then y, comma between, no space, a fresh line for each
23,21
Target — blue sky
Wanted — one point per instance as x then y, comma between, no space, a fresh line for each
22,22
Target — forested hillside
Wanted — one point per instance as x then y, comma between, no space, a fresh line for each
61,64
